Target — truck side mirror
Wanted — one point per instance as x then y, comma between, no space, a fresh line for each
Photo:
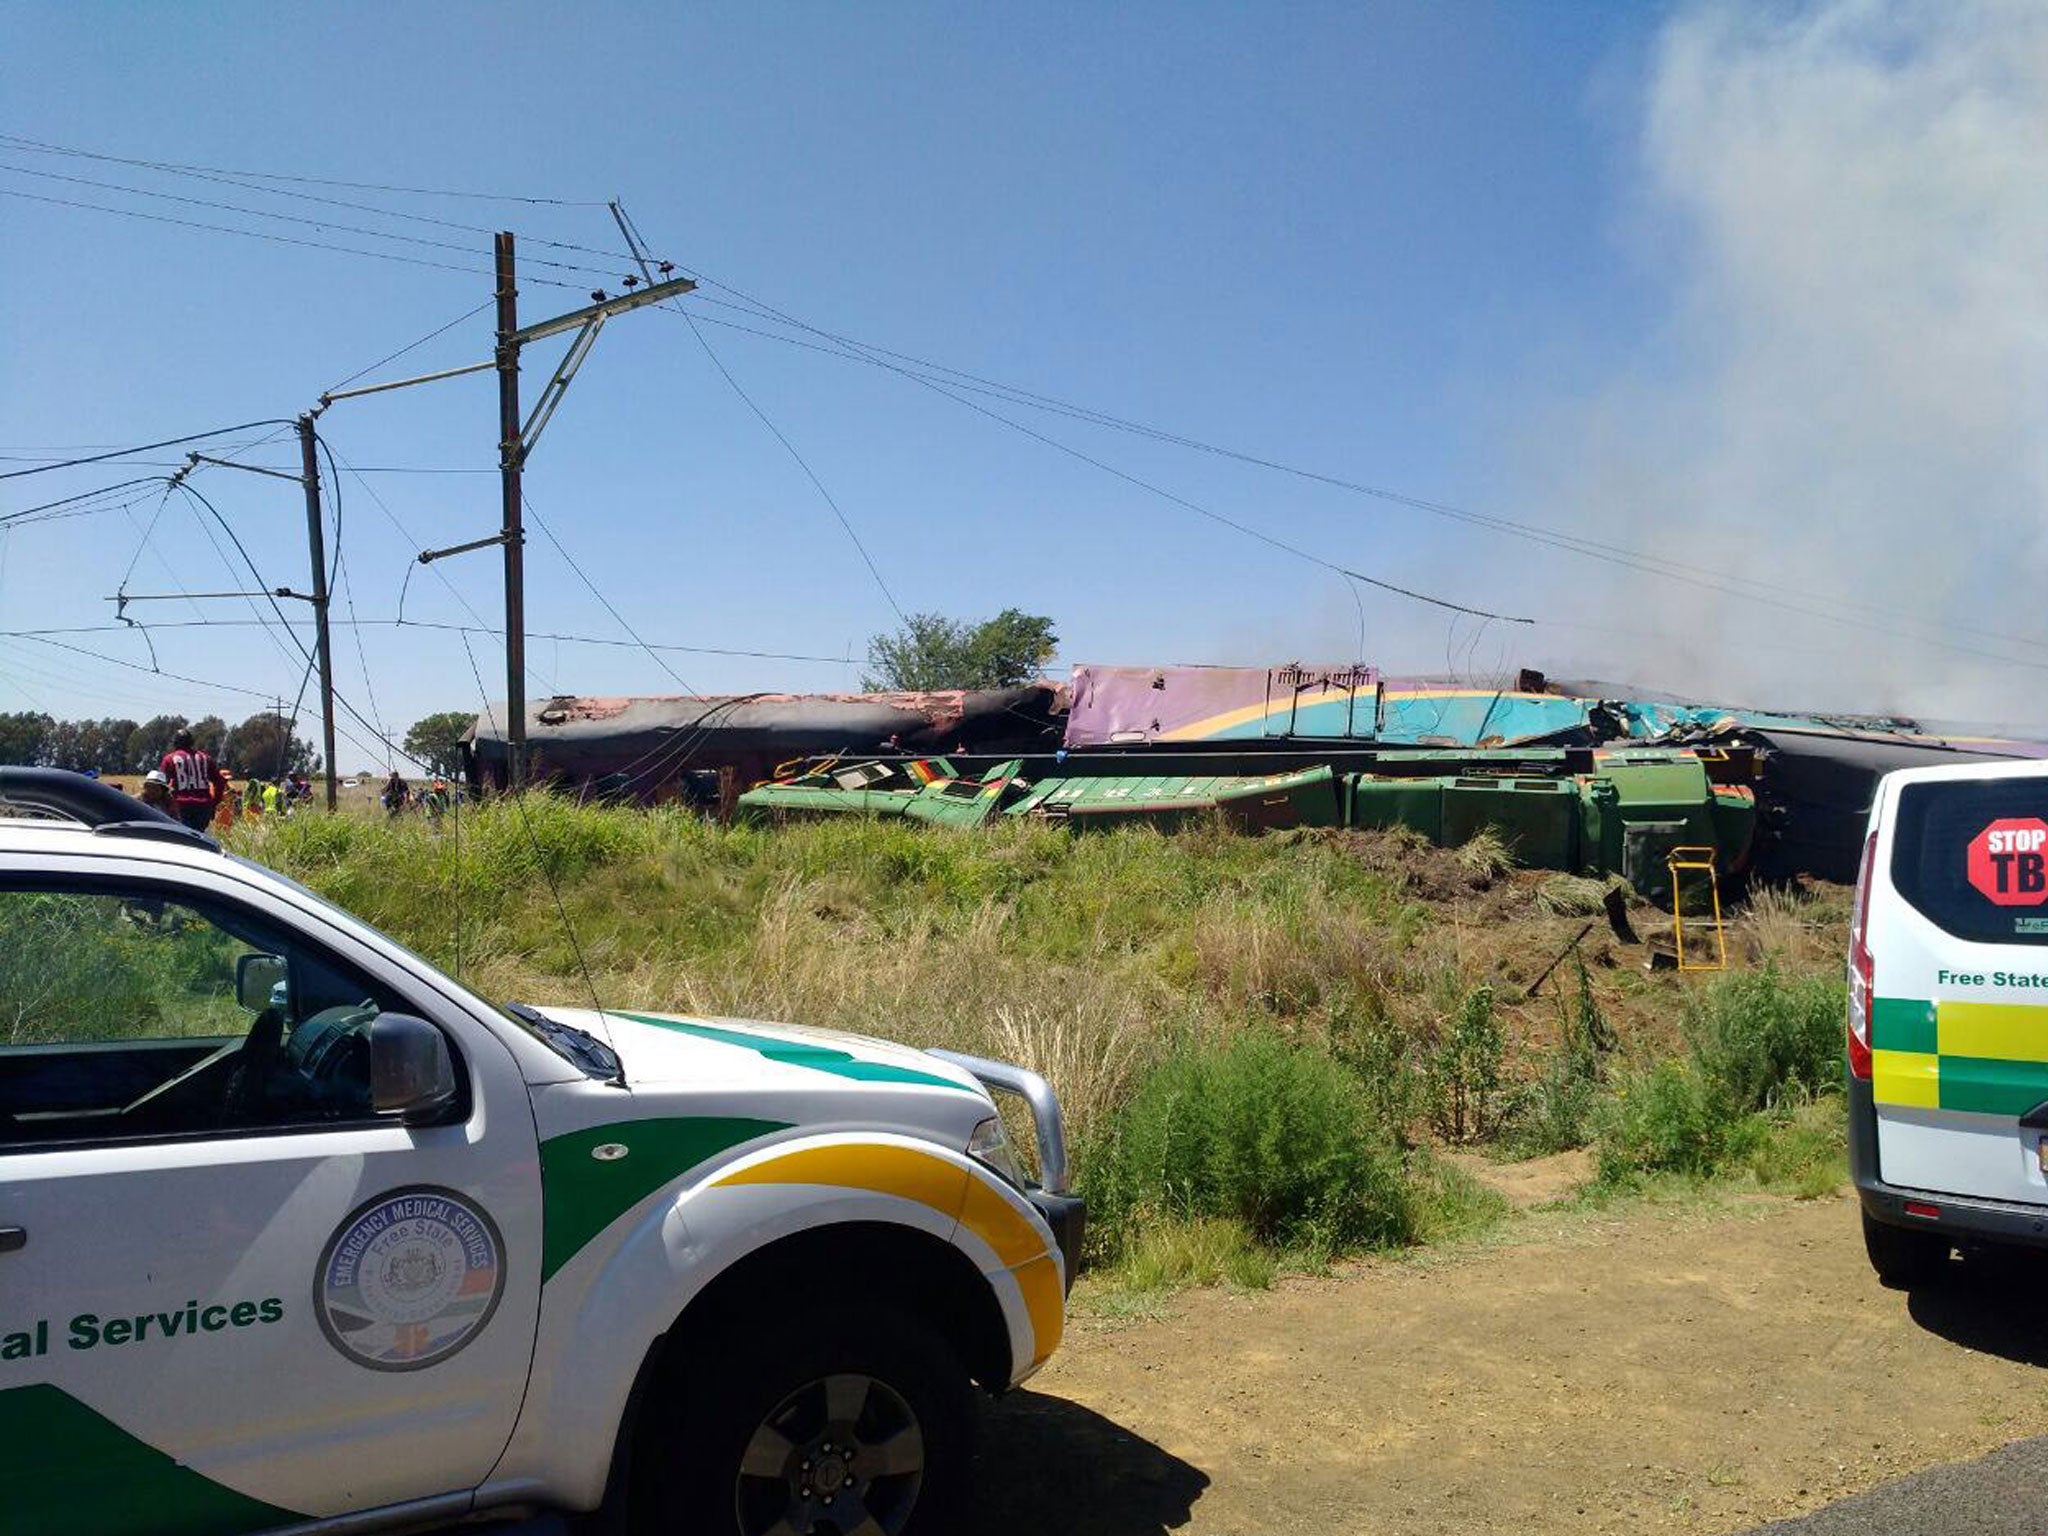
256,980
412,1073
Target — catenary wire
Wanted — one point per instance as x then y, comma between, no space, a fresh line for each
439,574
1647,565
291,218
472,629
169,442
1629,559
276,239
540,857
411,346
632,233
318,181
1196,507
609,607
239,179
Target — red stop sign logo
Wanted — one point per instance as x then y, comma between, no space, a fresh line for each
2008,861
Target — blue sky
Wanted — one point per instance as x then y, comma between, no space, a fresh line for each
1392,242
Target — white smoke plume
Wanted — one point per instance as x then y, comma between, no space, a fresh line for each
1851,397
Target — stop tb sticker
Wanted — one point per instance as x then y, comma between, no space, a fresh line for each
2008,861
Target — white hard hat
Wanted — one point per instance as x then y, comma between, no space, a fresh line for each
155,776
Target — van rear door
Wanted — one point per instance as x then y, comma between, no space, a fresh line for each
1958,934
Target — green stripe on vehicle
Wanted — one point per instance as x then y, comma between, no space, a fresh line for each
65,1468
1980,1086
802,1053
582,1194
1902,1024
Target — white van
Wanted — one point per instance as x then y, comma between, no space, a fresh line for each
1948,1016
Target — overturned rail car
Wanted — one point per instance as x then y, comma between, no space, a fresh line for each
1781,793
1610,814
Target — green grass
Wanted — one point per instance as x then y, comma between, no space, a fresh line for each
1296,988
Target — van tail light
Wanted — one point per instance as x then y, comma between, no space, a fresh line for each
1861,966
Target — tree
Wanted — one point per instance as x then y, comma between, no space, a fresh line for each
262,747
110,746
437,740
210,735
932,651
149,741
25,738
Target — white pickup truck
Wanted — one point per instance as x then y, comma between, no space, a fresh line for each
298,1234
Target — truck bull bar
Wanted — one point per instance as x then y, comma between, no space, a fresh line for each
1046,1121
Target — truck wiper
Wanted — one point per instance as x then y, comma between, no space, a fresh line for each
579,1045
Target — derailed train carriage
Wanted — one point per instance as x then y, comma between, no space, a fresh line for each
1593,778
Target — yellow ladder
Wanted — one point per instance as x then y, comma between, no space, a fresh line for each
1696,860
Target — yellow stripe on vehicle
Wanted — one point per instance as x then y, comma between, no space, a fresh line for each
886,1170
1993,1031
953,1192
1045,1300
1911,1078
996,1222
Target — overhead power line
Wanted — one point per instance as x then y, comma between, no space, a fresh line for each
632,233
168,442
240,179
410,346
275,239
311,181
611,641
284,218
1783,597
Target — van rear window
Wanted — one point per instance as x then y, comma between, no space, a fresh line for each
1971,856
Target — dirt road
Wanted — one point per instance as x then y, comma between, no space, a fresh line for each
1654,1370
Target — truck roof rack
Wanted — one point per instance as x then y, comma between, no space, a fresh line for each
108,811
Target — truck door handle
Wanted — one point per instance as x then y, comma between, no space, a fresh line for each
12,1238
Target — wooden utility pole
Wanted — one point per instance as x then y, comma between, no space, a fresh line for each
316,541
511,458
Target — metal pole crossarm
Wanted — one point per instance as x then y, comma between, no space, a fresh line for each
424,378
254,469
674,288
558,385
429,556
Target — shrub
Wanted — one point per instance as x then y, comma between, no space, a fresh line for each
1382,1055
1555,1113
1269,1134
1667,1120
1762,1036
1804,1151
1465,1069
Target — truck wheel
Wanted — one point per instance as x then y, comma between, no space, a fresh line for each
839,1422
1905,1259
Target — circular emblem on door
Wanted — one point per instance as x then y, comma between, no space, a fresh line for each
409,1279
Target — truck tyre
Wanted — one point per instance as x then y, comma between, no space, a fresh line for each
1903,1258
834,1421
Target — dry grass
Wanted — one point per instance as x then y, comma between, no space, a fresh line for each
1798,926
1087,958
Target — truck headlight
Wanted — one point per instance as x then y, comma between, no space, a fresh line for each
990,1146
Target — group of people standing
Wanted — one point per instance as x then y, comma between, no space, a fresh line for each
435,798
189,785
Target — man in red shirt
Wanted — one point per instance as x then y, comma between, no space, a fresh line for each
193,790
